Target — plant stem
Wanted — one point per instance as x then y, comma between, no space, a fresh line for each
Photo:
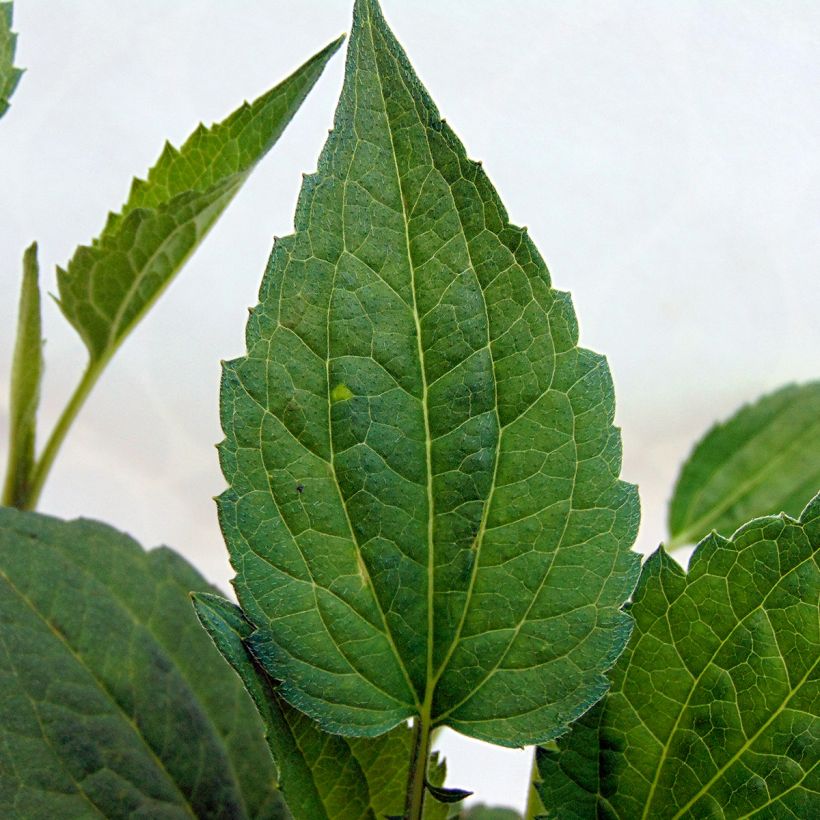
58,434
414,804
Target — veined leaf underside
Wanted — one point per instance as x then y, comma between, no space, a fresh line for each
424,509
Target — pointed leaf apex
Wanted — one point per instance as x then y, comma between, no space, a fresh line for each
447,795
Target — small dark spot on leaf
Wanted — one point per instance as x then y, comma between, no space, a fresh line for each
300,488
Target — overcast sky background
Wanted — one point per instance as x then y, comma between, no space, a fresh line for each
664,156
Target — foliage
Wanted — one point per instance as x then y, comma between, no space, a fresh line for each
24,392
424,514
114,702
765,459
110,285
321,775
424,508
713,707
9,75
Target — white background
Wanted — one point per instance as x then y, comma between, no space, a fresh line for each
663,154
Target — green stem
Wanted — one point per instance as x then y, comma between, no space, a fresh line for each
414,805
58,434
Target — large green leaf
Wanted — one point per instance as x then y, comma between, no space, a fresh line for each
107,287
24,391
764,460
715,705
113,701
9,75
321,775
424,509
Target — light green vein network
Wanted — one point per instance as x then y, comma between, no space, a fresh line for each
424,511
715,705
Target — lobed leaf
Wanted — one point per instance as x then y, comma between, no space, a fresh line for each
763,460
9,75
113,701
321,775
715,705
424,510
24,392
107,287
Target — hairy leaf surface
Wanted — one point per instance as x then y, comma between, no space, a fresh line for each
715,705
762,461
321,775
114,702
107,287
24,391
9,75
424,509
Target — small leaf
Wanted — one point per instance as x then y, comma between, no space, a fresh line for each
113,702
321,775
9,75
461,548
26,374
107,287
713,710
762,461
447,795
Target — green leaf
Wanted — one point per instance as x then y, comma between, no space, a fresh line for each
113,702
9,75
24,393
764,460
108,287
715,706
321,775
447,795
447,535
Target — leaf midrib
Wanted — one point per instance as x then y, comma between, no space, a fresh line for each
117,332
429,686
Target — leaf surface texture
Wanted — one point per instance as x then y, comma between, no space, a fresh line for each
762,461
108,286
9,75
26,375
424,510
321,775
715,705
115,703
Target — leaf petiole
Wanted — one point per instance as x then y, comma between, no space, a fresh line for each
417,777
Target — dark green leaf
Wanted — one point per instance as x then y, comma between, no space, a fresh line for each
447,795
715,705
762,461
113,702
109,286
321,775
26,374
424,508
9,75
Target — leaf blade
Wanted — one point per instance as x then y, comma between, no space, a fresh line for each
107,287
26,375
114,698
714,704
9,75
389,386
763,460
321,775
